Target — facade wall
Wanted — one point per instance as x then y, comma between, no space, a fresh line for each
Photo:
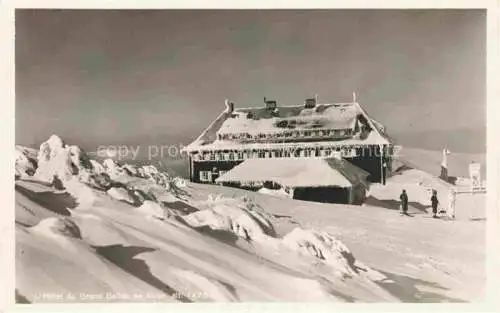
367,158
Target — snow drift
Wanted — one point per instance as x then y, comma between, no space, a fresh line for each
239,216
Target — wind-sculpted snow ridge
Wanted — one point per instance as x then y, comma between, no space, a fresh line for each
152,209
239,216
62,226
245,219
122,194
322,246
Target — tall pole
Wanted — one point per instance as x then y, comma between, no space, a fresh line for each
382,180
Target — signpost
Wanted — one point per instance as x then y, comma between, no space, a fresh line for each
475,176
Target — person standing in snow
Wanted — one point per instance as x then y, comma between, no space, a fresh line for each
404,202
434,203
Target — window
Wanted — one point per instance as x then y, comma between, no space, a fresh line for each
307,133
262,154
219,156
241,155
307,153
231,156
336,154
287,154
277,154
205,176
349,153
212,156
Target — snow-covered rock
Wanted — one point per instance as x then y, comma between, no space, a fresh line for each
151,173
130,169
148,172
122,194
98,167
58,162
113,169
54,160
26,163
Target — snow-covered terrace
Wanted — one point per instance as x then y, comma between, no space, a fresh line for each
298,172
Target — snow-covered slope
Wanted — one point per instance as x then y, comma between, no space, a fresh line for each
423,259
87,231
430,161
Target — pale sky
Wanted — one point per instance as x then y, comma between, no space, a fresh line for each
98,77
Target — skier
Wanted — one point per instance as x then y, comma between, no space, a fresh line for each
434,202
404,202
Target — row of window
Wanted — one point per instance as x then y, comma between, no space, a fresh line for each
206,176
287,153
289,134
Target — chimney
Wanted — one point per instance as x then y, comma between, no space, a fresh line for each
310,103
229,106
270,104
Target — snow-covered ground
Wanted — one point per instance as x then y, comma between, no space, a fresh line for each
110,232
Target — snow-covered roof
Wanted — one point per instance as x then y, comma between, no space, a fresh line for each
327,116
297,172
336,116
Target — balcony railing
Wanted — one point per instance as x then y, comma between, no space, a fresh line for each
289,135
